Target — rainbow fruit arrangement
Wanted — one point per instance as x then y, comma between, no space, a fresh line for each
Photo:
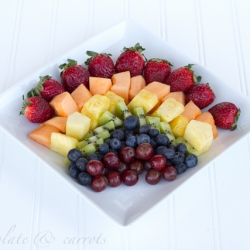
113,121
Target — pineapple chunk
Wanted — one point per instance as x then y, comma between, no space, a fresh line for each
94,108
199,135
77,125
169,110
61,143
144,99
114,99
178,125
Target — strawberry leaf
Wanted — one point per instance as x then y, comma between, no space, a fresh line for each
236,118
70,63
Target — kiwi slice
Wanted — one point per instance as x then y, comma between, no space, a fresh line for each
166,129
139,112
153,121
190,148
122,110
107,117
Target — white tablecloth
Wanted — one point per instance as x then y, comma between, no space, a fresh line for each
37,209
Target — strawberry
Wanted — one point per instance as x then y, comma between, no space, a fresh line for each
47,88
100,65
225,115
201,94
157,70
132,60
182,79
73,75
36,109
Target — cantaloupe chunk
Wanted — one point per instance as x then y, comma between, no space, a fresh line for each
178,96
121,85
99,85
191,111
80,95
58,122
158,88
42,134
207,117
64,104
137,83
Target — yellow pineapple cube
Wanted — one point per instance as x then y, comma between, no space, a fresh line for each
144,99
77,125
169,110
114,99
94,108
178,125
61,143
199,135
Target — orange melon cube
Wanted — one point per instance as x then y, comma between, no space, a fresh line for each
58,122
121,85
80,95
137,83
99,85
158,88
191,111
64,104
178,96
207,117
42,134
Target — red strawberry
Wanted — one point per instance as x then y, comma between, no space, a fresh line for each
131,60
36,109
47,88
100,65
225,115
73,75
201,94
157,70
182,79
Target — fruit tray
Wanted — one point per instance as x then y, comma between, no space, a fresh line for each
123,204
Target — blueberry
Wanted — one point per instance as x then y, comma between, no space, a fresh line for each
160,150
92,156
169,153
131,141
113,151
107,141
191,160
123,145
115,144
153,132
181,147
153,142
172,146
72,164
104,148
169,162
181,168
119,134
143,138
178,158
144,129
74,154
81,164
99,155
162,140
84,178
127,133
74,172
131,122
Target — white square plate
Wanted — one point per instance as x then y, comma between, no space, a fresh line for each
122,204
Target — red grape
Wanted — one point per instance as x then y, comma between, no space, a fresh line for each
127,154
153,176
94,167
158,162
99,183
114,179
144,151
111,160
169,173
130,177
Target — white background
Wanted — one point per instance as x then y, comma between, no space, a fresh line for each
212,211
